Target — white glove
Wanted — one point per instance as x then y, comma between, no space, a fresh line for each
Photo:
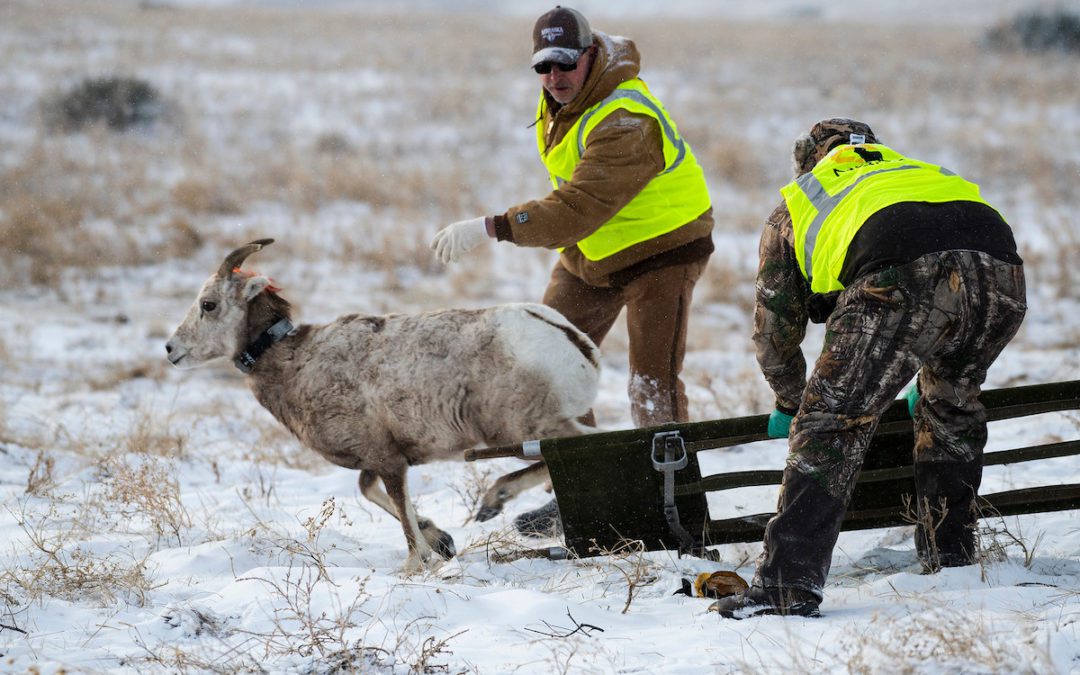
456,239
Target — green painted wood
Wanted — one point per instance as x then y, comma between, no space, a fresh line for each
1043,499
618,495
608,490
1005,403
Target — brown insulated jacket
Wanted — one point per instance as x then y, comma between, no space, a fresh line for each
624,152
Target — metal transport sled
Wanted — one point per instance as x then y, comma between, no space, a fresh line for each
645,484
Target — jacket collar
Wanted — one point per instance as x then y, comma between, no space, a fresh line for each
617,60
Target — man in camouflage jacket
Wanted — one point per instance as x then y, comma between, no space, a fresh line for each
935,289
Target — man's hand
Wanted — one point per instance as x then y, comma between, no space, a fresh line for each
456,239
779,424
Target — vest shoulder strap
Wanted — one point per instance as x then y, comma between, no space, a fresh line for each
625,93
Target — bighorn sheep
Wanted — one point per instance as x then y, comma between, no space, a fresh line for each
380,393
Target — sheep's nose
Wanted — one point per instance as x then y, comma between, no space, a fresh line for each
168,348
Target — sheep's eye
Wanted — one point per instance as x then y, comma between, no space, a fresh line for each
208,305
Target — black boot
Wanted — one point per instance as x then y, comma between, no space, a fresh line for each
541,522
945,531
758,601
799,539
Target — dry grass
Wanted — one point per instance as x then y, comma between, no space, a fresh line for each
323,119
40,480
732,395
112,378
298,619
147,490
5,432
135,499
150,435
60,560
997,538
994,537
474,485
630,560
728,284
298,625
951,640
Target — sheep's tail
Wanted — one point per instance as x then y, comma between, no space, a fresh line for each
584,344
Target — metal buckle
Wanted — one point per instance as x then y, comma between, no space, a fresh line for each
244,362
668,442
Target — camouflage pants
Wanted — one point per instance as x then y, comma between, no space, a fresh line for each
945,316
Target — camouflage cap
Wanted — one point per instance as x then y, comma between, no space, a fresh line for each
560,36
809,149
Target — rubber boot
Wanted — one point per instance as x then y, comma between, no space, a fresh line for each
799,539
947,514
759,601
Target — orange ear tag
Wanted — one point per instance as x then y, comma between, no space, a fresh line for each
272,287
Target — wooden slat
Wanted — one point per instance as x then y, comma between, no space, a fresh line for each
1010,503
739,479
1001,404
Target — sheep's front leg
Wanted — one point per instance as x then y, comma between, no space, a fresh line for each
509,486
432,537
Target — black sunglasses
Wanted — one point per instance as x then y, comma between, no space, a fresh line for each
544,67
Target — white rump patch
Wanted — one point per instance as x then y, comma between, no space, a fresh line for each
528,335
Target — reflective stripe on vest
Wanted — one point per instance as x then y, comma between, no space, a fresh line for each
669,132
674,197
814,210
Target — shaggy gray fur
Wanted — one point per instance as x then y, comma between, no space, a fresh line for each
381,393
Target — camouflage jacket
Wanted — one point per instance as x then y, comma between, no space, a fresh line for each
781,311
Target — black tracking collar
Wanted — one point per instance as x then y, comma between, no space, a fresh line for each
271,336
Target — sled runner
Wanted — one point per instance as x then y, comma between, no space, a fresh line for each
646,484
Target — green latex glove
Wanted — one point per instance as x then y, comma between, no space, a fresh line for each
912,397
779,424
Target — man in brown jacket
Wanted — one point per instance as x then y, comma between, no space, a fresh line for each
630,212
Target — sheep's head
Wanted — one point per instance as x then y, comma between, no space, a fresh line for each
216,324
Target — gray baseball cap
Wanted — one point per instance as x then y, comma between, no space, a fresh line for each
560,36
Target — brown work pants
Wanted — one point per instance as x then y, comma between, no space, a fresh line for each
657,310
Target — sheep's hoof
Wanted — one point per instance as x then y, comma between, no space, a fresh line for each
487,513
439,541
541,522
444,546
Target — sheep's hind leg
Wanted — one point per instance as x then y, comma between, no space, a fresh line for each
512,484
509,486
434,538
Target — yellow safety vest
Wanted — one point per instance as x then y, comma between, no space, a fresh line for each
675,197
829,204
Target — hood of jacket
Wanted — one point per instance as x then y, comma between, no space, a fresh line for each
617,60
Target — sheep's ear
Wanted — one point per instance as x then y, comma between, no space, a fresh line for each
255,285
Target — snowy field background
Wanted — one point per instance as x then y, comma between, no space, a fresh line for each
160,521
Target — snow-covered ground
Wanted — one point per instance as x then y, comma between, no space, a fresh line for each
156,520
